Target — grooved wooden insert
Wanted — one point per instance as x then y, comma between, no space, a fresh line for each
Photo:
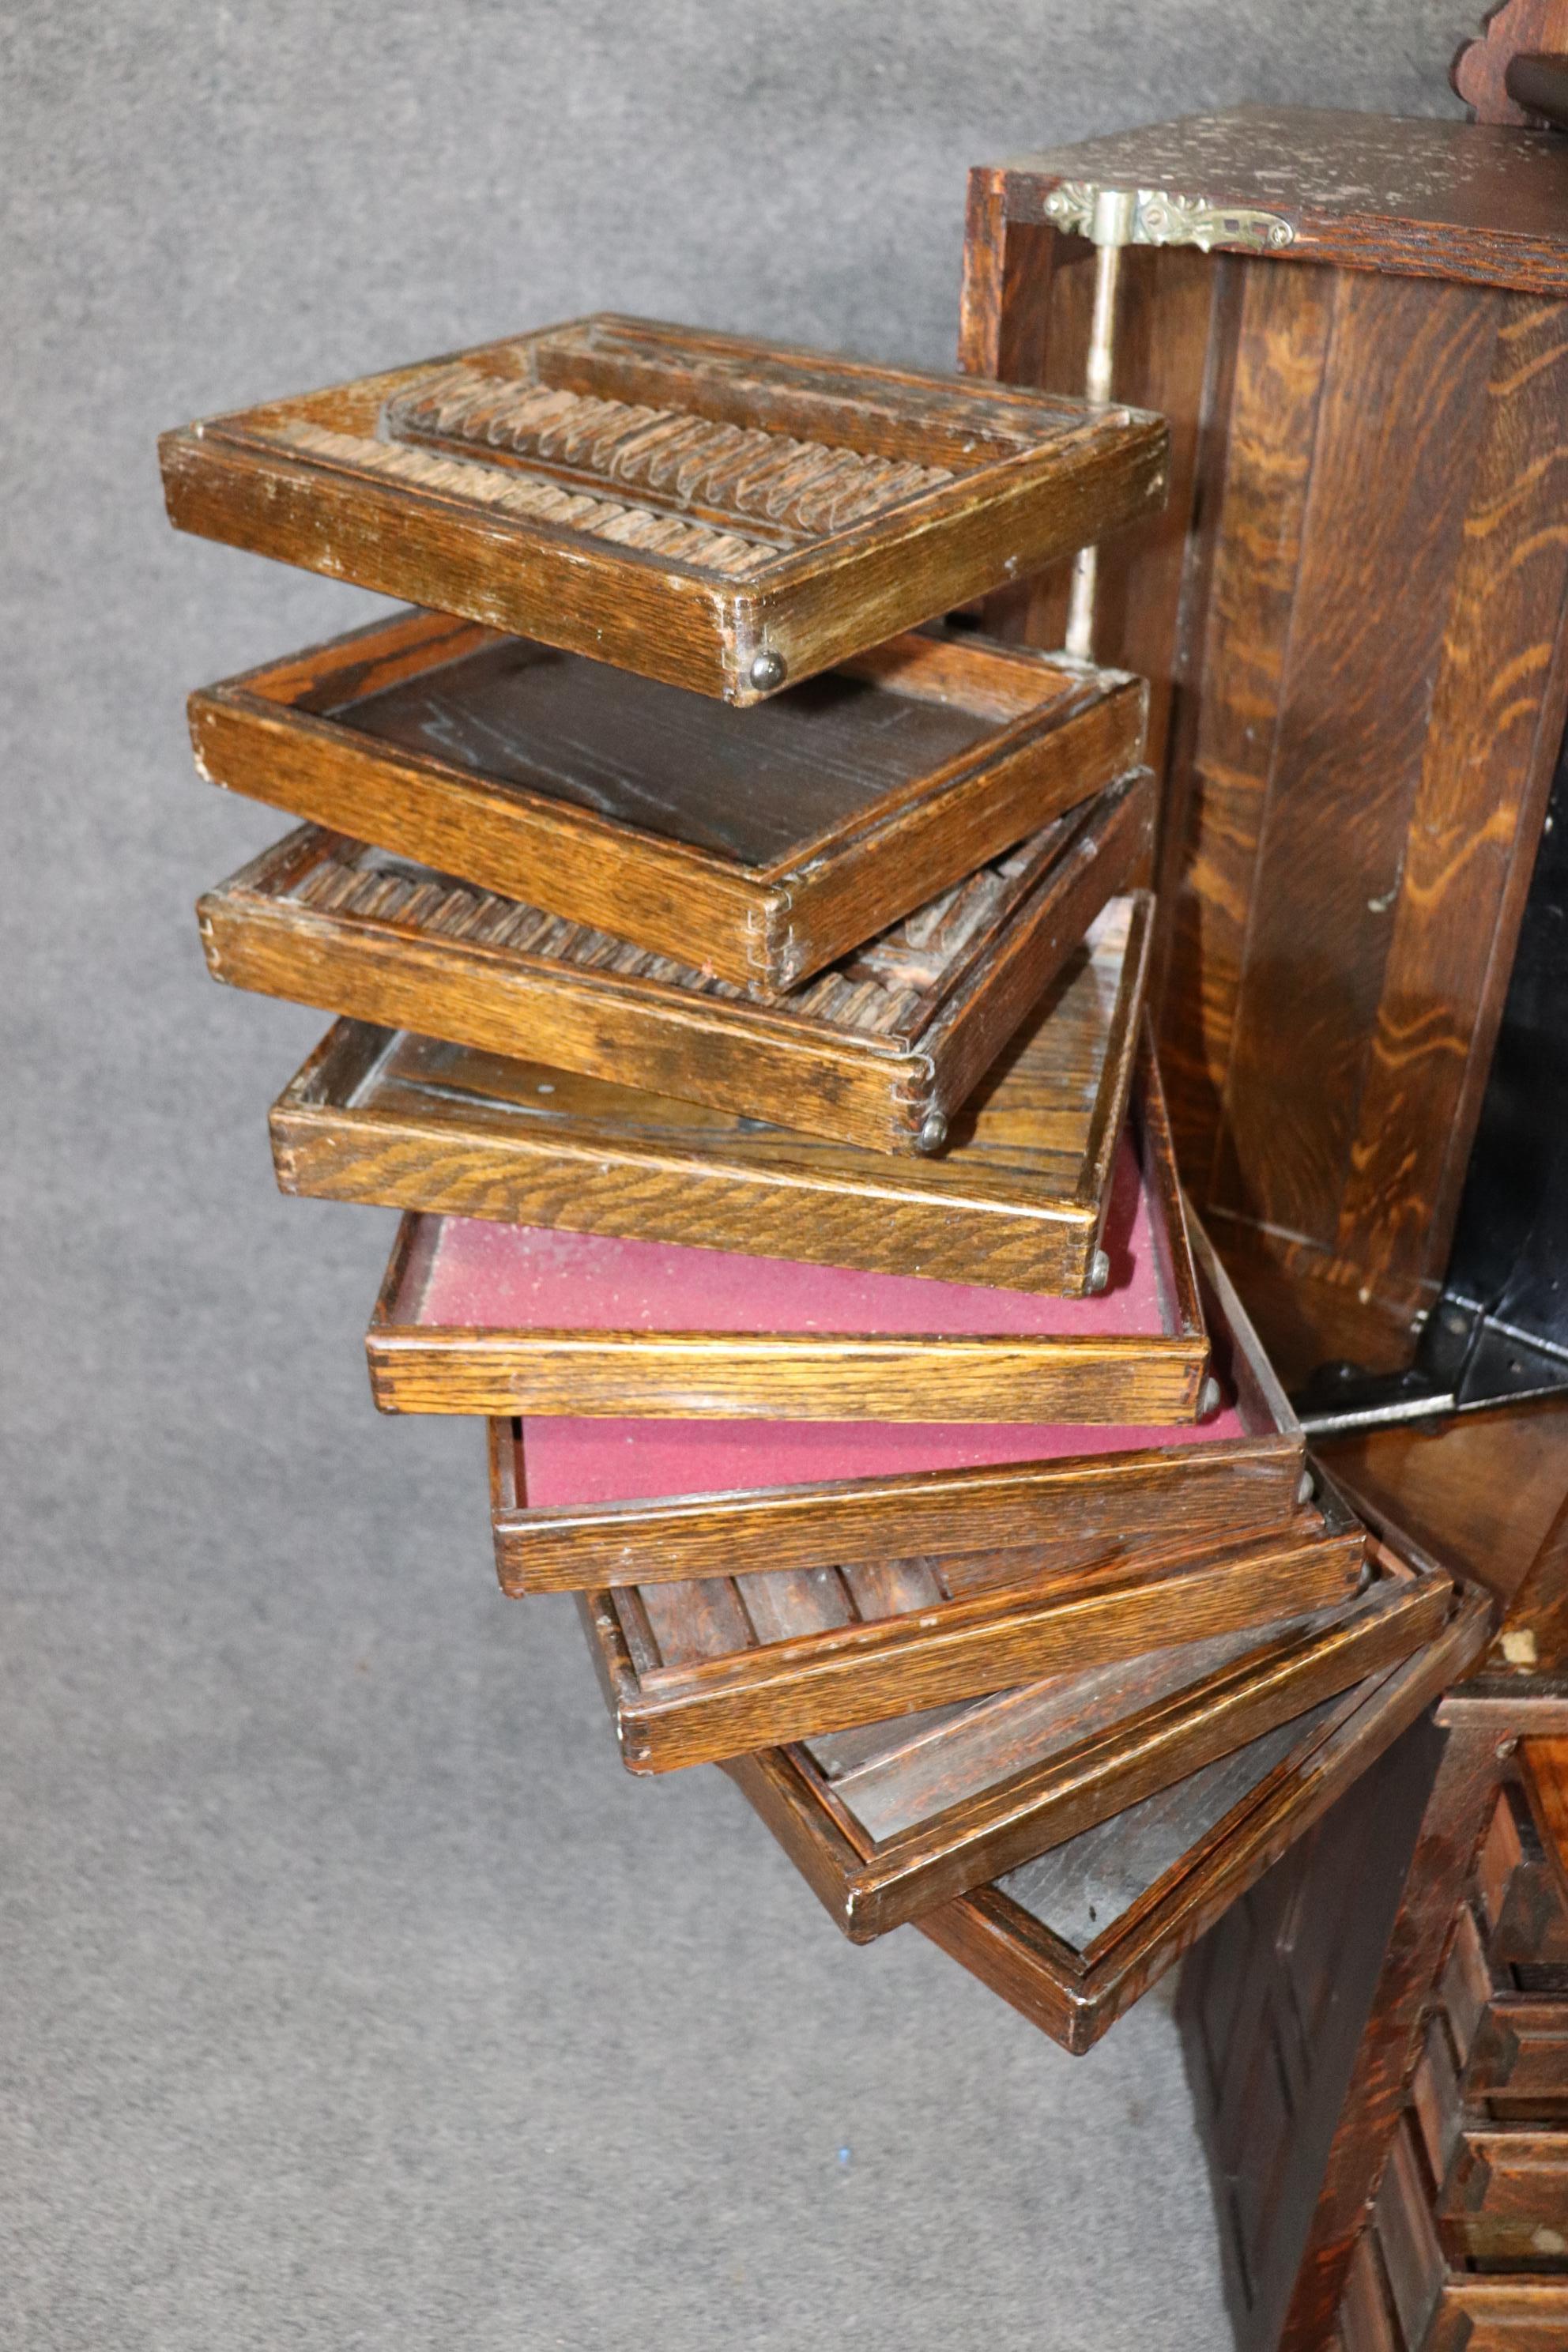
757,845
483,1318
1017,1199
727,515
880,1050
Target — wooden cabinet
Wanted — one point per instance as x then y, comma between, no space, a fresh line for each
1352,618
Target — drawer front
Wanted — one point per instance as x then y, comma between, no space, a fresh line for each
1505,2198
1518,2063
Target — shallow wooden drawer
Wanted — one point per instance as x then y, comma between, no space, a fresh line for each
1505,2198
1521,1895
583,1502
695,1672
1073,1939
725,514
484,1317
759,845
1016,1200
1499,2314
887,1821
1519,2065
881,1050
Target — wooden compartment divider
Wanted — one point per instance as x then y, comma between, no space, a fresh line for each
728,515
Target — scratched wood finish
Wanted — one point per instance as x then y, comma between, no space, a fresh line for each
761,846
1468,203
419,1364
1341,867
1181,1863
720,513
701,1671
881,1051
916,1815
1089,1510
1017,1200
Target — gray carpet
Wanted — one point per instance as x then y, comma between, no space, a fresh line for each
349,1993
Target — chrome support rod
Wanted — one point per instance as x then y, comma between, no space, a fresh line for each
1111,228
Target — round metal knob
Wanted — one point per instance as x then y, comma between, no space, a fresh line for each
1208,1398
934,1134
766,672
1098,1272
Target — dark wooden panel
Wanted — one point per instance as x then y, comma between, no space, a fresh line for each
1407,2237
1401,413
1330,1904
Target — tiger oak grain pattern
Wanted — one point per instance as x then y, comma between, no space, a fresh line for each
880,1053
1398,426
759,847
1345,840
921,1825
668,514
701,1671
1075,1993
1086,1508
1017,1200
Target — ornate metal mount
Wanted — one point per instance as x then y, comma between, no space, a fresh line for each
1161,219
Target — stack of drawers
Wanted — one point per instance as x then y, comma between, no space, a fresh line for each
1469,2229
742,971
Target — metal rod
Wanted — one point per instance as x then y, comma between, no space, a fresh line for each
1110,230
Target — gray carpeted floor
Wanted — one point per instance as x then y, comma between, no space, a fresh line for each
349,1993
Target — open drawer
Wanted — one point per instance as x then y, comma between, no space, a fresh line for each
1073,1939
760,846
1017,1199
697,1672
881,1050
492,1319
725,514
888,1820
582,1502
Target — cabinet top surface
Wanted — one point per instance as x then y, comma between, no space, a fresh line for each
1336,176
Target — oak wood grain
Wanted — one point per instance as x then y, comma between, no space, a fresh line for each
929,1817
1086,1508
686,505
1019,1199
760,846
881,1052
